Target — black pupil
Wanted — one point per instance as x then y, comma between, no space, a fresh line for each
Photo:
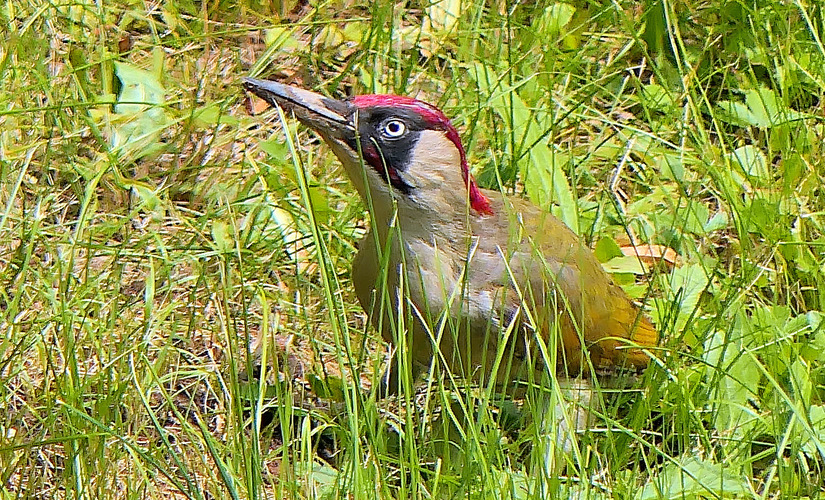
394,128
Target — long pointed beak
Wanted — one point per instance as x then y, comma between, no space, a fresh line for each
329,117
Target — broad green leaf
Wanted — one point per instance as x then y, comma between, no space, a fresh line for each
212,115
625,264
331,36
814,319
140,89
752,161
671,167
733,377
761,215
139,117
737,113
812,444
148,195
717,222
657,98
275,148
695,217
356,31
607,249
687,284
694,478
801,382
319,196
815,350
762,108
556,17
281,37
443,14
319,478
222,237
794,167
515,483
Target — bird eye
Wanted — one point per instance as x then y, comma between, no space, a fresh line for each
393,129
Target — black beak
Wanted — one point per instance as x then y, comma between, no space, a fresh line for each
328,117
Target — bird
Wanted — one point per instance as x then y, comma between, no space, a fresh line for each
486,285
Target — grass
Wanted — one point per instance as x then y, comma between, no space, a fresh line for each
156,240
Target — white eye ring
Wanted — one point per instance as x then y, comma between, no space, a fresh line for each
393,129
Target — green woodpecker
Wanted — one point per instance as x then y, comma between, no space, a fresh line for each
479,273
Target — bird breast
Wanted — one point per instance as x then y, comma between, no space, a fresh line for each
441,290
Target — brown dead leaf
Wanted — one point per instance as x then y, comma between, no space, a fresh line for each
255,105
652,254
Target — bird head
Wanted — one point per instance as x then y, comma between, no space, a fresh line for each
392,147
